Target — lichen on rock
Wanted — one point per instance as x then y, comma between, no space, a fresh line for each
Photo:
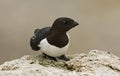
95,63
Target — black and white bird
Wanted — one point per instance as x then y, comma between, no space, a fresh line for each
53,41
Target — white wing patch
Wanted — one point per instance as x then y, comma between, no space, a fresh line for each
52,50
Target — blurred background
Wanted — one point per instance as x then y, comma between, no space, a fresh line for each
99,24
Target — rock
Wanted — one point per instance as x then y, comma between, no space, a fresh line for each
95,63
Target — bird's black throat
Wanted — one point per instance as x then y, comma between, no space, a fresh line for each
58,39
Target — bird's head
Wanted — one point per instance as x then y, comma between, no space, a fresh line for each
63,24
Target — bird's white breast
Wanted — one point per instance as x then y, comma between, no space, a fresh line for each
52,50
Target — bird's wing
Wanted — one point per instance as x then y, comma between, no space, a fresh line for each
39,34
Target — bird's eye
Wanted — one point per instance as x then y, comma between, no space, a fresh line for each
65,22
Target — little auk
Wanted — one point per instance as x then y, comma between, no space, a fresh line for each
53,41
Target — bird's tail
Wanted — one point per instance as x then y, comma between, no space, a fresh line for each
34,44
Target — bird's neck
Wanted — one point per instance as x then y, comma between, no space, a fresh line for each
58,39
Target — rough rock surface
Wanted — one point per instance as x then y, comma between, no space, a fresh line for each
95,63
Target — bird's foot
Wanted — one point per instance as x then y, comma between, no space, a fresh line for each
49,57
63,57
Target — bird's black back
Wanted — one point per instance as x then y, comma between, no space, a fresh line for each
39,34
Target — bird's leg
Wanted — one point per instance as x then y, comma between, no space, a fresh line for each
63,57
47,56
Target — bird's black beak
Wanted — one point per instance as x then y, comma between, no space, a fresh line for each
75,23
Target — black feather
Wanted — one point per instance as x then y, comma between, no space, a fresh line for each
39,34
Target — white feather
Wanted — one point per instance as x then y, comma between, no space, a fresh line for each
52,50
